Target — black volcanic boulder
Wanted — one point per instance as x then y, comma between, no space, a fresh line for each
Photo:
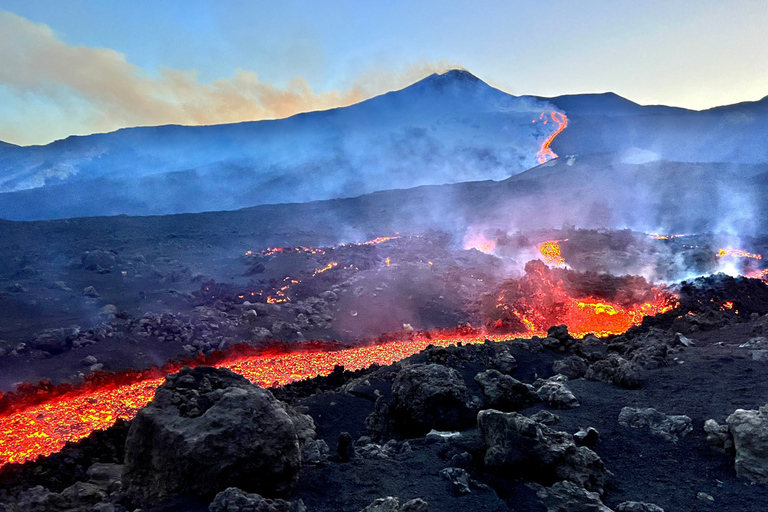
520,444
235,500
206,430
505,393
430,396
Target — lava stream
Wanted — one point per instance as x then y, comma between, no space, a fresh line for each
546,153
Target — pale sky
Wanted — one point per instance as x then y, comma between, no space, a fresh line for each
83,66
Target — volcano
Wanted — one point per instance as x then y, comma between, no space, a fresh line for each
444,129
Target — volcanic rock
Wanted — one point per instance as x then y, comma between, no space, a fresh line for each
586,437
749,429
668,427
637,506
516,442
505,362
430,396
208,429
718,437
616,369
573,367
392,504
569,497
235,500
54,340
505,393
555,392
459,479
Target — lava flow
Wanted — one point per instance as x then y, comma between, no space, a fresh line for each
41,422
546,153
546,297
36,429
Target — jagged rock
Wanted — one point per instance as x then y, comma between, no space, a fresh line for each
235,500
749,429
516,442
430,396
573,367
459,479
250,316
505,362
569,497
414,505
718,436
560,333
669,427
616,369
83,494
637,506
505,393
261,334
546,417
392,504
555,391
388,504
208,429
586,437
34,499
54,340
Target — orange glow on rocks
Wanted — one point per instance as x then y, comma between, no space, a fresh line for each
529,306
480,243
546,153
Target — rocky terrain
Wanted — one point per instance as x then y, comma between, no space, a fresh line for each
668,416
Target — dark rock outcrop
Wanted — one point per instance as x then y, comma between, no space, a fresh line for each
208,429
516,442
569,497
616,369
505,393
430,396
235,500
749,429
668,427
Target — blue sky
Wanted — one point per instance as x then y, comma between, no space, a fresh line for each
80,66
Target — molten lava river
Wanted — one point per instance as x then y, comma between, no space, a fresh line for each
43,424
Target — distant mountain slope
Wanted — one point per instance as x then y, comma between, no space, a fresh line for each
444,129
599,123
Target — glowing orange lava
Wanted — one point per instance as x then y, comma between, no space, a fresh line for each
540,299
551,252
480,243
42,429
546,153
738,253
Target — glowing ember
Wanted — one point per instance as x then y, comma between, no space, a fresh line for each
545,153
737,253
551,252
480,243
388,261
325,268
665,237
